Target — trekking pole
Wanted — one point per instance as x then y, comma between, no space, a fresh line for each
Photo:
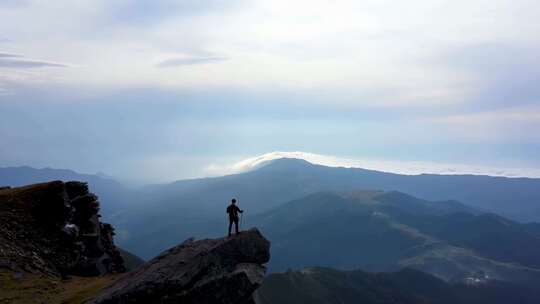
241,220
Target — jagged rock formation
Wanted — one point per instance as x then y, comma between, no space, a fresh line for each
54,229
226,270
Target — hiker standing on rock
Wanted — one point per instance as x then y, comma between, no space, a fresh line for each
233,210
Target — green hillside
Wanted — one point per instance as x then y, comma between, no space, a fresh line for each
386,231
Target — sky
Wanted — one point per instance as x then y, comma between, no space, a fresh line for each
163,90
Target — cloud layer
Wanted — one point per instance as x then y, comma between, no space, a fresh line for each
361,54
400,167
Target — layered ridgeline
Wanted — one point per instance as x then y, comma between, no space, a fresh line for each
286,179
153,218
163,215
327,286
387,231
348,229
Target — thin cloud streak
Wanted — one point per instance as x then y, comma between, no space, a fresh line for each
8,60
29,64
174,62
7,55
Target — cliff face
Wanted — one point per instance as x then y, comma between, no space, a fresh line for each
54,229
226,270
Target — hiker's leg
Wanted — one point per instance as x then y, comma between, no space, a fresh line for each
236,225
230,226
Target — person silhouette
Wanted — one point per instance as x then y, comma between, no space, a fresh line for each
233,211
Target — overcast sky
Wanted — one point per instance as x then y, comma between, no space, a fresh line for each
161,90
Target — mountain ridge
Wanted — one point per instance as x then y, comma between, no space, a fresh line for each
319,285
198,204
382,232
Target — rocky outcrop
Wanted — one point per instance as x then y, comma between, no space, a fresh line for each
226,270
54,229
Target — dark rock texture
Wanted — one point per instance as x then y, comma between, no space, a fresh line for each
54,229
131,261
226,270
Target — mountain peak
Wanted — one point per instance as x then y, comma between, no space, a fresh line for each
287,163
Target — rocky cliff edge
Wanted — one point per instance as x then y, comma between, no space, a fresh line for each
226,270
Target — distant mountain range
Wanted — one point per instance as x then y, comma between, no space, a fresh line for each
282,180
340,218
113,195
172,212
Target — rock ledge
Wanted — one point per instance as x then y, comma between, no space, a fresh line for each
226,270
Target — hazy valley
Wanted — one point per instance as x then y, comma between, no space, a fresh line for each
344,219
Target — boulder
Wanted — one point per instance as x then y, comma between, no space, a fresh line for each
226,270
